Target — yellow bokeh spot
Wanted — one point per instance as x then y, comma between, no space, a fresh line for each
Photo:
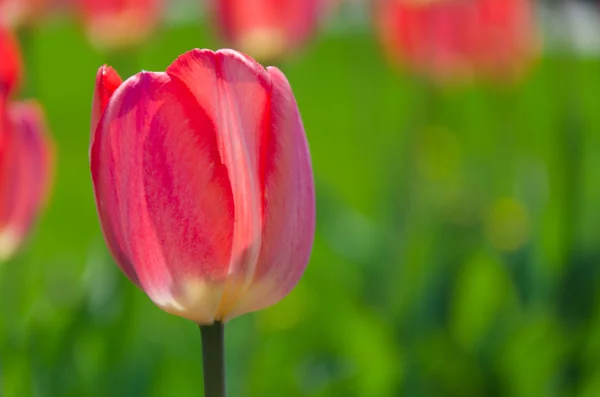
264,44
508,225
438,154
9,241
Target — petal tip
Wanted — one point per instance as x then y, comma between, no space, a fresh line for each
107,82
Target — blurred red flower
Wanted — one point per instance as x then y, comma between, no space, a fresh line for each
26,158
26,154
119,23
15,13
457,39
267,29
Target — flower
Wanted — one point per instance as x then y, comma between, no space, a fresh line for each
26,154
459,39
119,23
203,183
268,29
11,65
20,12
26,159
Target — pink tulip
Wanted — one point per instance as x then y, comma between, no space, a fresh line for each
456,39
119,23
203,183
268,29
26,159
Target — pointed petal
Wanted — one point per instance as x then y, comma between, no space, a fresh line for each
10,66
107,81
288,200
26,166
232,89
163,194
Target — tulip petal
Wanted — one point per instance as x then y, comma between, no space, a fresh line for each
25,173
163,194
232,89
10,66
107,81
289,202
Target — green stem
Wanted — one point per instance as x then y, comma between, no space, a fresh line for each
2,375
213,359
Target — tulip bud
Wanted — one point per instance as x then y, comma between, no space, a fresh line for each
10,64
203,183
458,39
119,23
25,172
267,29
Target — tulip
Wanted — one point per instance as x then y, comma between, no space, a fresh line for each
25,172
119,23
10,66
457,39
268,29
203,183
20,12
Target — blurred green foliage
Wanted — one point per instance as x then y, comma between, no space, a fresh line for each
456,252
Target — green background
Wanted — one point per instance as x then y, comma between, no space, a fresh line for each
456,251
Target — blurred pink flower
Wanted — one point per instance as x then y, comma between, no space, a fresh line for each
457,39
119,23
16,13
26,158
268,29
26,154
